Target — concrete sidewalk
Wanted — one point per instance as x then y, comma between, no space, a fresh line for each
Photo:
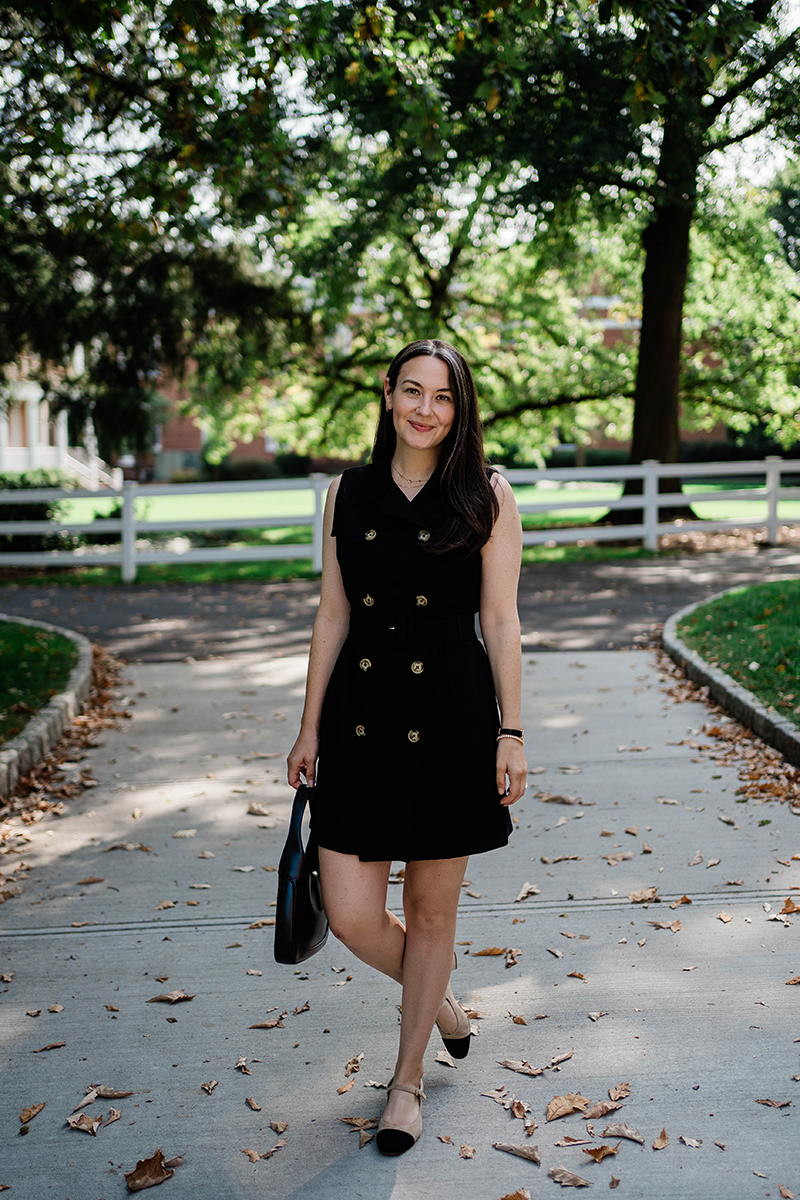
699,1022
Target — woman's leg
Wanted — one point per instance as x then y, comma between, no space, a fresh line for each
430,901
354,895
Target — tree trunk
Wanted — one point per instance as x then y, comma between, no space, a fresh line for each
656,428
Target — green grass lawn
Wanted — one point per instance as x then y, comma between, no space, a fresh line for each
34,665
754,635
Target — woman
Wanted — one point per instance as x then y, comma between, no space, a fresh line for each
402,701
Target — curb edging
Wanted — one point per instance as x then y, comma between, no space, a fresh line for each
777,731
37,739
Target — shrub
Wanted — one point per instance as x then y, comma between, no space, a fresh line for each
187,475
293,466
37,510
248,468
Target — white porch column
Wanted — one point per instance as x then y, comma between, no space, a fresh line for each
32,428
3,433
62,439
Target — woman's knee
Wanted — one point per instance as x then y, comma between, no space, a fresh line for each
355,928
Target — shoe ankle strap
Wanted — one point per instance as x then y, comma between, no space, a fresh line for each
405,1087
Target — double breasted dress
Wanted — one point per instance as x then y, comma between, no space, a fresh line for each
407,740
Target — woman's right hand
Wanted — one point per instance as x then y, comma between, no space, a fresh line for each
302,760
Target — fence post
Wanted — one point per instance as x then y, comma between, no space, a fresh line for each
650,489
774,463
319,481
129,490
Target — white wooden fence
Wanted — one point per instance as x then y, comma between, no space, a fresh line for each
130,526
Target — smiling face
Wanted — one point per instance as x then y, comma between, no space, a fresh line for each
422,403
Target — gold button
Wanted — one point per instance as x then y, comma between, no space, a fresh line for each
369,601
360,731
365,664
423,536
370,534
422,601
413,735
417,668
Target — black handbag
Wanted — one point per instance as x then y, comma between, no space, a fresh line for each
301,927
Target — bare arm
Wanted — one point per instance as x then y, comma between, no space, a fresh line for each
330,631
500,628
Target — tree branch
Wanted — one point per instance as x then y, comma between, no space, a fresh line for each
561,401
780,52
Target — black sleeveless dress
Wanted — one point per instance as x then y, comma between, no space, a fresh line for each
408,733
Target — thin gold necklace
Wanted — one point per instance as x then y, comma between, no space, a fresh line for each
413,482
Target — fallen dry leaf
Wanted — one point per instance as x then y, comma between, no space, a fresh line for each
531,1153
785,1193
678,903
491,952
569,1141
662,1141
107,1093
623,1131
576,975
241,1065
256,1107
84,1122
274,1023
598,1153
303,1008
790,906
209,1087
518,1018
600,1109
696,861
150,1171
256,809
595,1016
281,1142
695,1143
29,1113
520,1194
364,1138
166,904
643,895
466,1151
50,1046
184,833
90,879
775,1103
171,997
724,917
567,1178
562,1106
358,1122
262,923
619,1092
353,1065
713,862
555,953
445,1058
675,925
793,980
448,1141
527,889
345,1087
253,1155
512,956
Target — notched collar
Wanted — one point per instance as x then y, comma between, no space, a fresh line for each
374,484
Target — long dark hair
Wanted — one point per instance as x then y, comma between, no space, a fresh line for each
461,472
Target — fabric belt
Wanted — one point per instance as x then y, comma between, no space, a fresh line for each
406,630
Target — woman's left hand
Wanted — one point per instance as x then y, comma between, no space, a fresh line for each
512,771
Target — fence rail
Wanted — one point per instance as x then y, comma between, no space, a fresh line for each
131,526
